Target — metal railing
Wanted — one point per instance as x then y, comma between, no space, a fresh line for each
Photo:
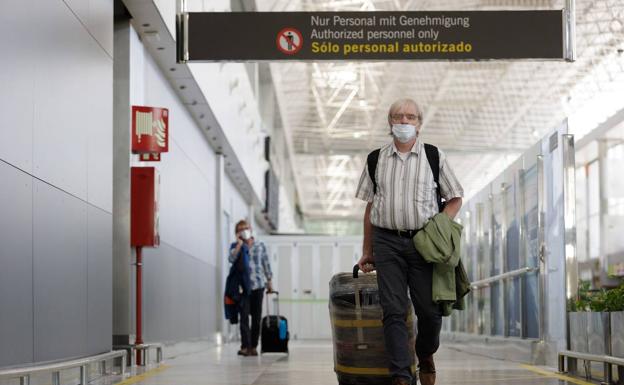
607,361
514,273
24,372
132,350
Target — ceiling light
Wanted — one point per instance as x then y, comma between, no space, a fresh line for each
358,135
363,103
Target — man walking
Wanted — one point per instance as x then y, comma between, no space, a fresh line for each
402,196
260,278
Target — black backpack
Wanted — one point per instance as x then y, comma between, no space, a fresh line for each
433,157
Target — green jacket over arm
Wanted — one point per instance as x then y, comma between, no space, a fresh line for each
439,243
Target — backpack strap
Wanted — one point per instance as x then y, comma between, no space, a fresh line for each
433,157
371,162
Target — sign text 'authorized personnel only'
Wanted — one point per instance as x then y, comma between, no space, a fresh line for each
452,35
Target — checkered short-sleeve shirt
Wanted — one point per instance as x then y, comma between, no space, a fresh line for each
406,191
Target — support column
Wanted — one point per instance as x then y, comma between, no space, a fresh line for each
506,283
569,217
570,29
220,245
603,194
122,253
542,254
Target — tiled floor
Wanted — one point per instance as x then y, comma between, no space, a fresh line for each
311,363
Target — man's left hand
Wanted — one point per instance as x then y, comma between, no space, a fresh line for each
269,287
452,207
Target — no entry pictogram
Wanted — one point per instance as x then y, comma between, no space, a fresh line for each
289,40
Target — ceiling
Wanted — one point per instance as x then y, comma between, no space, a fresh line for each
482,114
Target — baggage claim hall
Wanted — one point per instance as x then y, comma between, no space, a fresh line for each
303,192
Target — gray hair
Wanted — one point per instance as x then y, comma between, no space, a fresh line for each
401,103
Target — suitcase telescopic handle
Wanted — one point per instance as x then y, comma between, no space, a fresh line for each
276,307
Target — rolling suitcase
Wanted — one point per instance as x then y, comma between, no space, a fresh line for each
274,330
359,350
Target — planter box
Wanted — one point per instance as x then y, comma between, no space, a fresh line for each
589,333
598,333
578,332
598,340
617,334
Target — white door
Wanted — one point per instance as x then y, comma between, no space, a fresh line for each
347,257
325,272
284,274
305,303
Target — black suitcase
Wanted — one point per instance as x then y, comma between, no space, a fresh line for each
271,341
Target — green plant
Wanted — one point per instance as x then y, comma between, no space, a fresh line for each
581,303
614,299
598,300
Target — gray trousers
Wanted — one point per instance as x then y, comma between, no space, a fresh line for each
400,266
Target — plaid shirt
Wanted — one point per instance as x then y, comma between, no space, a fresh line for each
406,191
259,266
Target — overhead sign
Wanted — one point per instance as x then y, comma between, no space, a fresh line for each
150,130
454,35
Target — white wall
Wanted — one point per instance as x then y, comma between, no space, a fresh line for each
56,98
176,284
181,275
187,171
230,94
234,205
56,86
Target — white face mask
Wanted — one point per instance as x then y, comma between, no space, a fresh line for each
404,132
246,234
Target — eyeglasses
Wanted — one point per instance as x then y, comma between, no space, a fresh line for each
407,116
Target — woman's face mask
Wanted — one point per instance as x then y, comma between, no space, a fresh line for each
404,132
246,234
